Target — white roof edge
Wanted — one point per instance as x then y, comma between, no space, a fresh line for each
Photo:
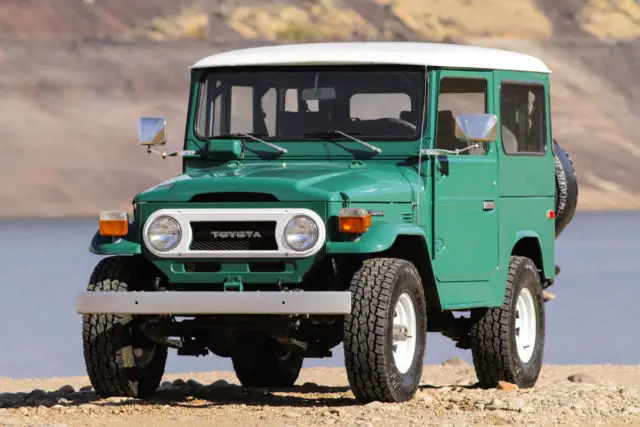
398,53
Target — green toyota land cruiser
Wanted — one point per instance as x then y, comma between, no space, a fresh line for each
354,193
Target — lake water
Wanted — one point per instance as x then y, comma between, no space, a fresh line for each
44,263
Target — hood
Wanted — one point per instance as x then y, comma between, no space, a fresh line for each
289,182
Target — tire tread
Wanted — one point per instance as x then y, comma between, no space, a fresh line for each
490,334
365,330
102,335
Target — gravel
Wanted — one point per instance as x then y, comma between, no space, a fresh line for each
576,395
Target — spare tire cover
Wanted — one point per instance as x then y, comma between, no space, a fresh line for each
566,188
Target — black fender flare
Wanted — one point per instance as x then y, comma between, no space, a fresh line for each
566,188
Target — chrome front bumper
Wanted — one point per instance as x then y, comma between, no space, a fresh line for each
192,303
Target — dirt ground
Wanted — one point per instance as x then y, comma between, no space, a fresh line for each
573,395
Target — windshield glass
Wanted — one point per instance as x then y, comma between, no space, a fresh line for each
300,103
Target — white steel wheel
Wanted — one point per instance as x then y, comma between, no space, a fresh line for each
404,333
525,325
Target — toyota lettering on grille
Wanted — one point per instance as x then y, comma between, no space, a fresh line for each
236,234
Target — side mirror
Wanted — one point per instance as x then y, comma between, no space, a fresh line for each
152,131
477,127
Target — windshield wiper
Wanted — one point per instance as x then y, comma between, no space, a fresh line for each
255,138
336,133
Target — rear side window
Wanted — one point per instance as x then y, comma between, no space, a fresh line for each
522,116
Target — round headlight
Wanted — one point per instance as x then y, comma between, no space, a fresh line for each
301,233
164,233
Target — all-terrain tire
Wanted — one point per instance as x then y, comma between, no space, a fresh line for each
566,188
376,289
261,361
110,341
494,345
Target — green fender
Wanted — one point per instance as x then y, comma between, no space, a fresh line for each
547,264
378,238
522,234
127,245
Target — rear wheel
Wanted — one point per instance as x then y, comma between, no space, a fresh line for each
385,334
120,360
507,342
261,361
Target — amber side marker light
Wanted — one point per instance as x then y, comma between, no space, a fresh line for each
354,220
114,223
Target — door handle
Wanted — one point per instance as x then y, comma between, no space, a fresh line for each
488,205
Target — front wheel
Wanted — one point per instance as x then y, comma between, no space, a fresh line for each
507,342
120,360
385,334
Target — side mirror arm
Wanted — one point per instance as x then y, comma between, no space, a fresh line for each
166,154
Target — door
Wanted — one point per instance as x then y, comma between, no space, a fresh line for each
464,185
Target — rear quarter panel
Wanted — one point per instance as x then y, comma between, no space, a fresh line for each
526,187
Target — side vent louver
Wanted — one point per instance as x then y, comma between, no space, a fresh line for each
407,217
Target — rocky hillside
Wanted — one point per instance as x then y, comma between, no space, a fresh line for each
76,74
297,20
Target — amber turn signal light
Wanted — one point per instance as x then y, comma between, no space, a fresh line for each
114,223
354,220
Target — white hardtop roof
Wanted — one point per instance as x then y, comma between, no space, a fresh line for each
399,53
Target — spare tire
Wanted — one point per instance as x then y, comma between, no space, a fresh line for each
566,188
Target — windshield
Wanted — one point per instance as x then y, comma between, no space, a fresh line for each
301,103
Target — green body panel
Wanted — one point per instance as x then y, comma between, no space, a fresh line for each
466,250
127,245
472,246
380,237
527,188
175,272
525,175
438,198
294,181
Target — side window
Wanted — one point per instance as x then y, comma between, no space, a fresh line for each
522,116
459,95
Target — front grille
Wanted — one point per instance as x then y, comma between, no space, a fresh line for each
233,236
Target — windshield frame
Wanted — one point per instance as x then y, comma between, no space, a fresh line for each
201,76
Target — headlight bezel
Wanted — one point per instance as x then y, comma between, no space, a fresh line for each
313,243
148,238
